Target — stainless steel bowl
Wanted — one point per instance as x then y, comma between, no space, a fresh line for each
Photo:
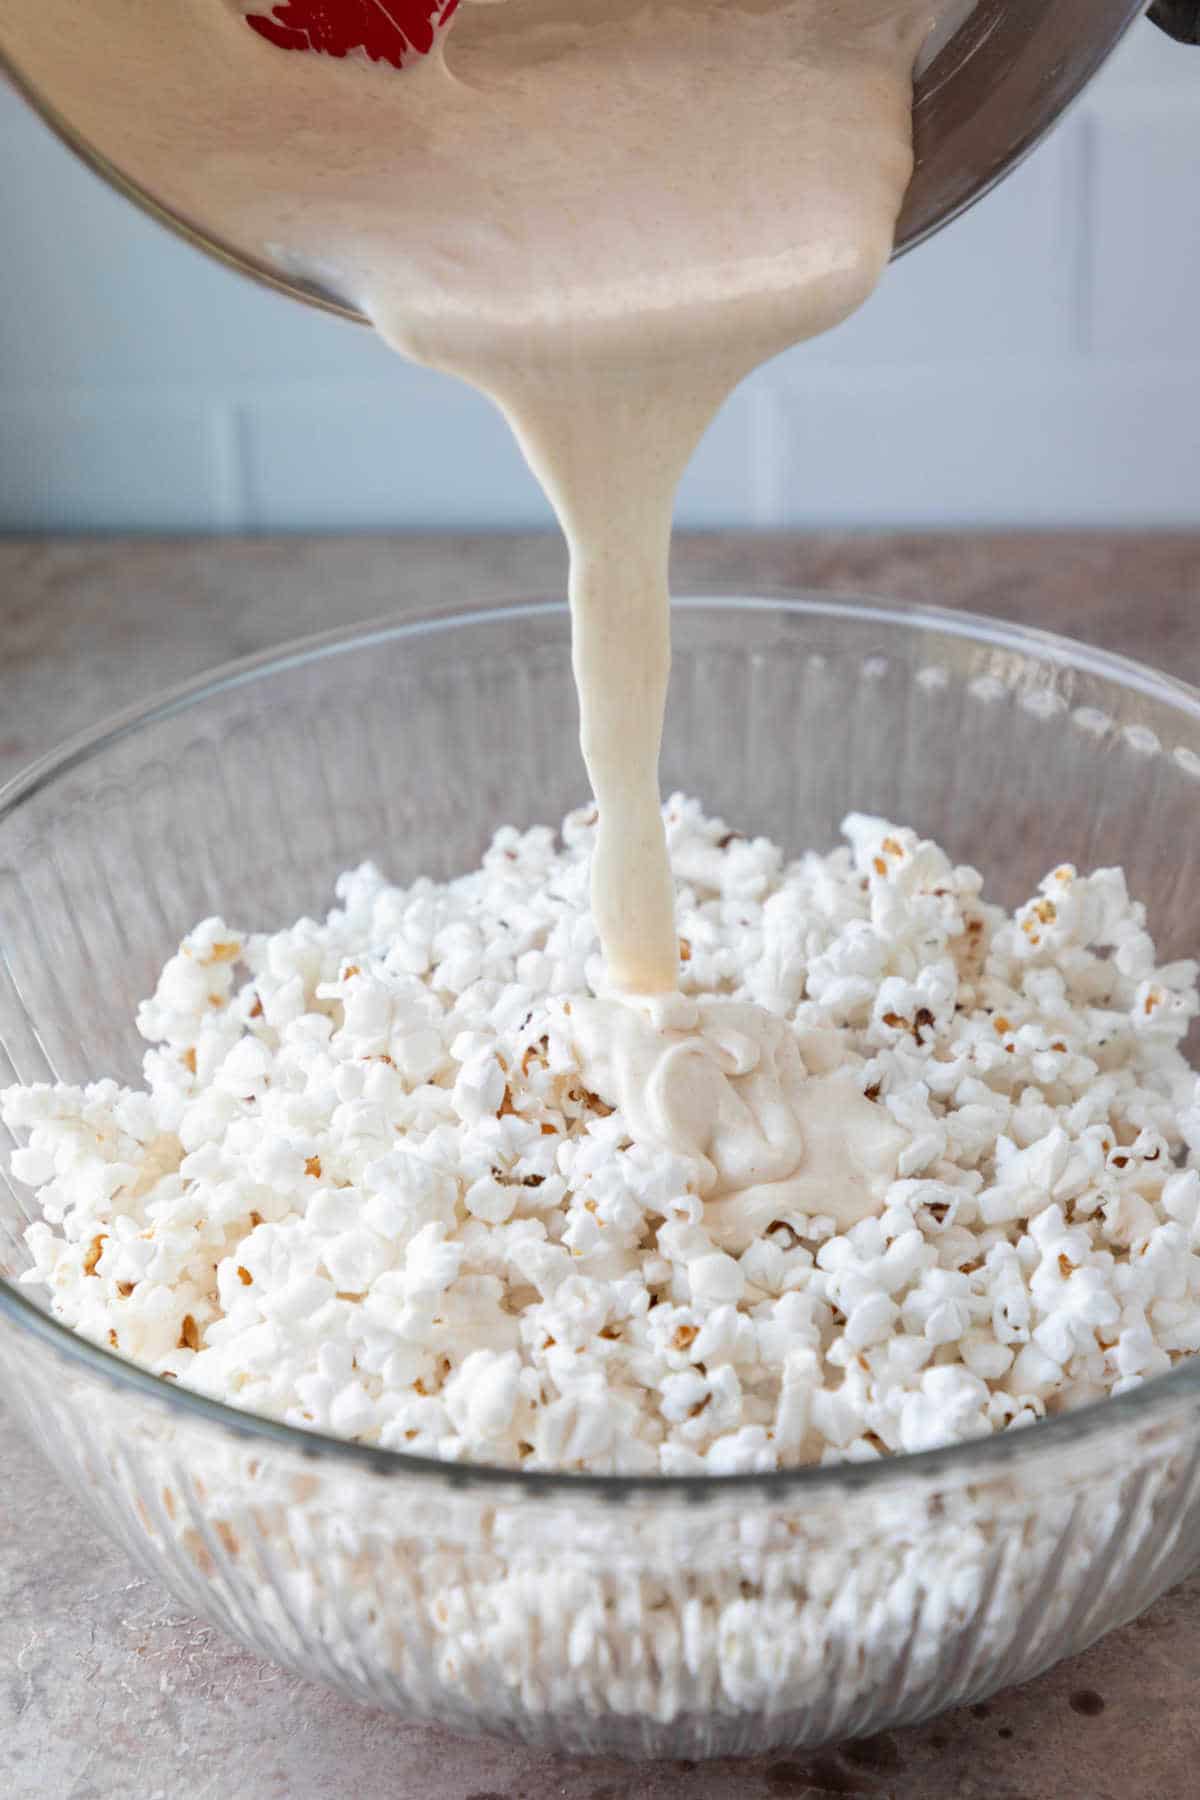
987,98
1003,80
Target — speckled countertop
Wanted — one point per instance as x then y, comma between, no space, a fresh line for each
106,1687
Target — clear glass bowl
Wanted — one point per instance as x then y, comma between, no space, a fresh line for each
657,1617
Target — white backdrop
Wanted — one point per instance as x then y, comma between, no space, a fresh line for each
1038,363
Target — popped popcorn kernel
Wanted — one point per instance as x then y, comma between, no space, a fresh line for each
367,1188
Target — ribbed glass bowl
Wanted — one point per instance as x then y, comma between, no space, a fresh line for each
687,1617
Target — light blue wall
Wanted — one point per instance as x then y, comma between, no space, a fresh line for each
1037,364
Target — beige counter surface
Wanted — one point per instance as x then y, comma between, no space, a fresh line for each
107,1687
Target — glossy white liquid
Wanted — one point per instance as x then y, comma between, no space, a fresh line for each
603,213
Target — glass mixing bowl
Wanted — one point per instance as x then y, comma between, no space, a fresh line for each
688,1617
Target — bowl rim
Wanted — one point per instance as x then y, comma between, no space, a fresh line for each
974,1459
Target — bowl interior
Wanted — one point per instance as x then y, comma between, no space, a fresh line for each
410,745
997,87
992,86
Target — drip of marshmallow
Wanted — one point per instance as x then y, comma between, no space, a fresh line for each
775,1123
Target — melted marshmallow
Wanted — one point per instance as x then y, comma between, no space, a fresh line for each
603,213
775,1123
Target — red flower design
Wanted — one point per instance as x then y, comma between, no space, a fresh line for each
388,31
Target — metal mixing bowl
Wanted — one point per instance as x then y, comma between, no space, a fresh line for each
986,99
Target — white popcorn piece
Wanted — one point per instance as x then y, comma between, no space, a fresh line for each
715,1279
365,1187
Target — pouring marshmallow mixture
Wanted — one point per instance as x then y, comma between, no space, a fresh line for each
801,1161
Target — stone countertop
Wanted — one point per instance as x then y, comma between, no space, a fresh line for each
106,1686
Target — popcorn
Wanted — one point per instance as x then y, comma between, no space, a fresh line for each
715,1279
367,1189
